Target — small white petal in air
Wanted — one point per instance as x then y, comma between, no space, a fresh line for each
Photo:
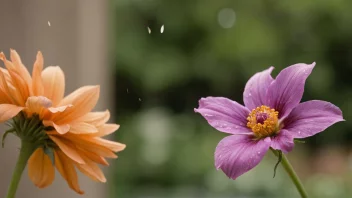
49,23
149,30
162,29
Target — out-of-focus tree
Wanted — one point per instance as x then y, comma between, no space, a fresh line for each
212,48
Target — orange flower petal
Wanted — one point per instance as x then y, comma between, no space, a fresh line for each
21,92
105,130
89,144
54,83
6,74
4,86
40,169
62,129
114,146
68,148
92,170
82,128
83,100
96,118
94,157
4,97
66,168
22,70
38,104
8,64
37,83
17,80
59,109
8,111
87,173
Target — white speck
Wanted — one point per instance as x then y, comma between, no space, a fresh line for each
226,17
49,23
149,30
299,132
127,90
162,29
139,99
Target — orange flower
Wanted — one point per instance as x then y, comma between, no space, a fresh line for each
63,131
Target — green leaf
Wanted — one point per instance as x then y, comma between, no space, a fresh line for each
5,135
278,162
50,153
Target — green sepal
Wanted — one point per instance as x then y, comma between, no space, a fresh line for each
5,135
299,141
50,153
278,161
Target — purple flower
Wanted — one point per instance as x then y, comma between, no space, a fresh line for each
272,117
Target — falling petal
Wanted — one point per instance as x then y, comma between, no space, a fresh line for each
149,30
162,29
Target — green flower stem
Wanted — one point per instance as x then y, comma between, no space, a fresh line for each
291,172
26,151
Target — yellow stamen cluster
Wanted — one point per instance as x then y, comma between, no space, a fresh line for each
263,121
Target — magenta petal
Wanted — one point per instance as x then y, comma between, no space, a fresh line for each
283,141
286,91
224,115
312,117
237,154
255,92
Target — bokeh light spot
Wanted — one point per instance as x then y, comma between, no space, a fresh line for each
226,17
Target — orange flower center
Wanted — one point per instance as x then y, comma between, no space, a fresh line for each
263,121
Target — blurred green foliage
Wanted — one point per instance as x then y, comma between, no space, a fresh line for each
161,76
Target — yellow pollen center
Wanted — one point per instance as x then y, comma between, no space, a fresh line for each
263,121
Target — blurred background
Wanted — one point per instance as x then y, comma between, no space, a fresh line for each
155,59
